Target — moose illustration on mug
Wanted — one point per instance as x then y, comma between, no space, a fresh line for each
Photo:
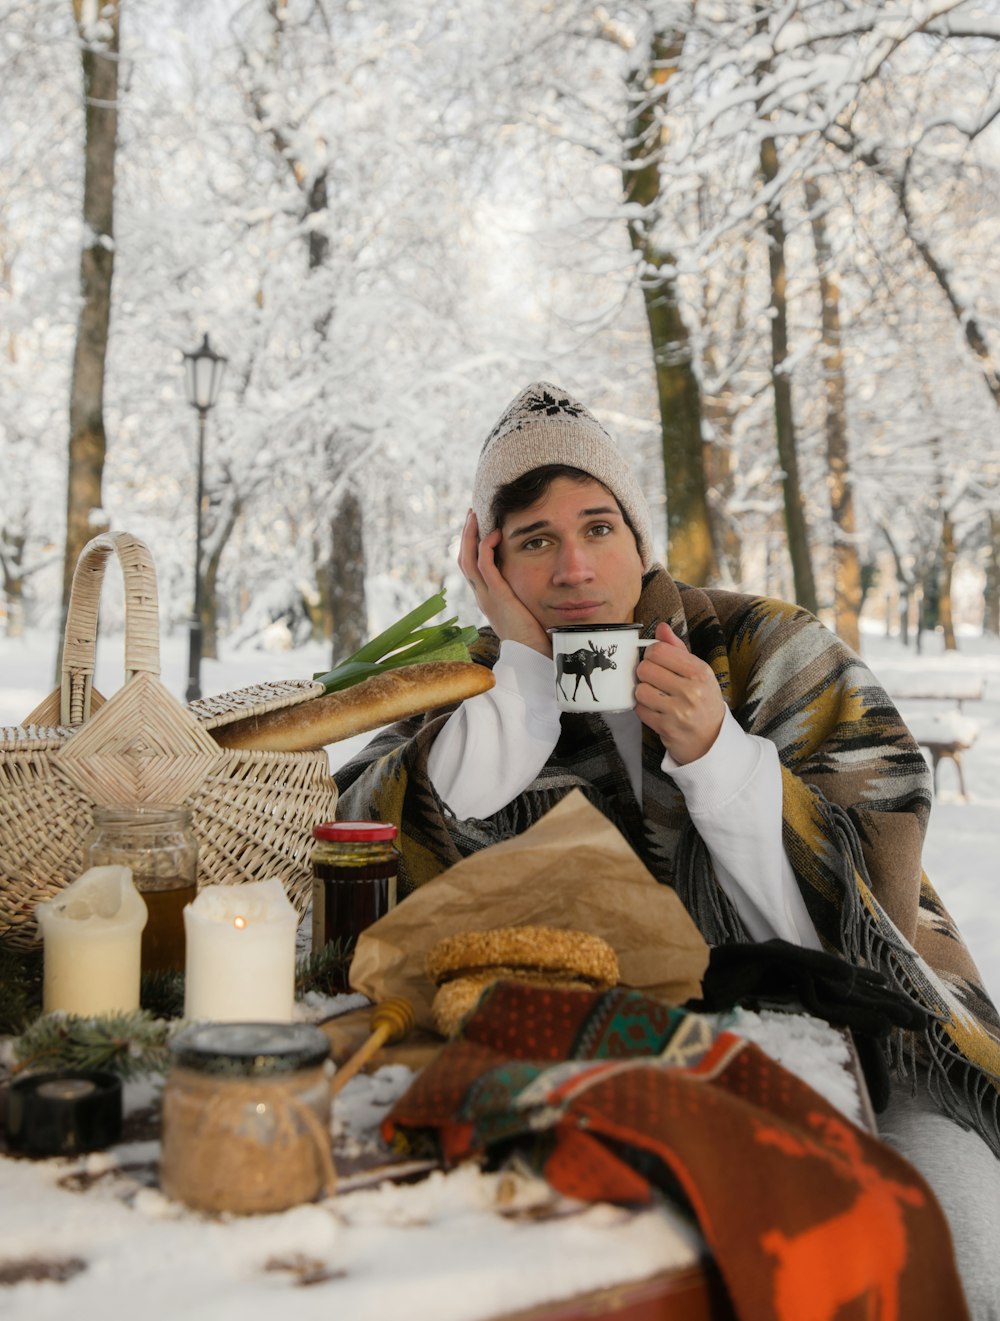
582,663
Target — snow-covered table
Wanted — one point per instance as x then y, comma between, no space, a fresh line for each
93,1237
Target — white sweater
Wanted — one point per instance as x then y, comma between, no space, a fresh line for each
495,744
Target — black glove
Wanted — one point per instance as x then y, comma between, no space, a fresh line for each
776,972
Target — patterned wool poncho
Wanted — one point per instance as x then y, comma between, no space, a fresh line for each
856,798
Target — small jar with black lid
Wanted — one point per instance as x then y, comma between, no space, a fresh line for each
354,865
246,1111
62,1113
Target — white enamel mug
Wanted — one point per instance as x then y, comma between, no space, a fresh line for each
595,665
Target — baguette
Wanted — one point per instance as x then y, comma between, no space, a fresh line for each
367,705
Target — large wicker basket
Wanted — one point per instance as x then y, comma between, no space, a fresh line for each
252,812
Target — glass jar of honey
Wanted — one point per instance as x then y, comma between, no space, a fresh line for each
354,865
157,844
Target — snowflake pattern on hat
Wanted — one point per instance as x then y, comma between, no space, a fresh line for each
546,403
549,404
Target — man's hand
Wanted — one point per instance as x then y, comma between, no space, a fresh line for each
678,696
509,618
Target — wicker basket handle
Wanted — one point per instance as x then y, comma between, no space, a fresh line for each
142,619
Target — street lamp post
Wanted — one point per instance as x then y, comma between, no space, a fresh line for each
204,368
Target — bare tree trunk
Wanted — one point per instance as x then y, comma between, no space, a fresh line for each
905,584
10,338
781,381
12,566
718,454
784,416
922,613
341,581
691,552
991,590
87,440
847,593
321,612
218,536
347,577
940,563
947,570
720,469
336,578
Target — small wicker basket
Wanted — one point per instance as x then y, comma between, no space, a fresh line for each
252,812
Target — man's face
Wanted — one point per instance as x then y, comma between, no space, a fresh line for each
571,558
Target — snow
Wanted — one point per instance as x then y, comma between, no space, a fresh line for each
458,1246
454,1247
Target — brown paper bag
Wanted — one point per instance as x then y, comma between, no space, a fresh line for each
572,869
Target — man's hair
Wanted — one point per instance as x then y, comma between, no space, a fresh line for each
524,491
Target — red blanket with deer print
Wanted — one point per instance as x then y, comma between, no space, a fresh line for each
809,1217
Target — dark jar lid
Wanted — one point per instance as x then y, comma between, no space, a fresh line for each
350,832
250,1049
62,1113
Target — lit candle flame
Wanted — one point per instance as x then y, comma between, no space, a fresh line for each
239,923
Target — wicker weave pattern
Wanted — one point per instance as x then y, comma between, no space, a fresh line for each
223,708
141,747
47,712
277,797
252,812
42,826
142,622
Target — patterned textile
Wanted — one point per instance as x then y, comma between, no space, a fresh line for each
616,1095
856,797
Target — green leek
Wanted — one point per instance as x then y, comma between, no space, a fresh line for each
407,642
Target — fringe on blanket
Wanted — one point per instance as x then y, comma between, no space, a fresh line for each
968,1093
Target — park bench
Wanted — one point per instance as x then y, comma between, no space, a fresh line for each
945,734
951,688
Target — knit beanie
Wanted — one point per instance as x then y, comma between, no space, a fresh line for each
545,425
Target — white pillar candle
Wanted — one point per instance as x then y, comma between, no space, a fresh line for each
240,964
93,937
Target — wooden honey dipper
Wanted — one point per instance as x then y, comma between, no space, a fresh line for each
391,1021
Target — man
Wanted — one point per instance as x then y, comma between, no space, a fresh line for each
763,773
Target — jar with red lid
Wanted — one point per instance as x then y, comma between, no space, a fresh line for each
354,865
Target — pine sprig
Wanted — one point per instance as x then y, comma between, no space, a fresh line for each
20,988
126,1044
325,971
161,994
